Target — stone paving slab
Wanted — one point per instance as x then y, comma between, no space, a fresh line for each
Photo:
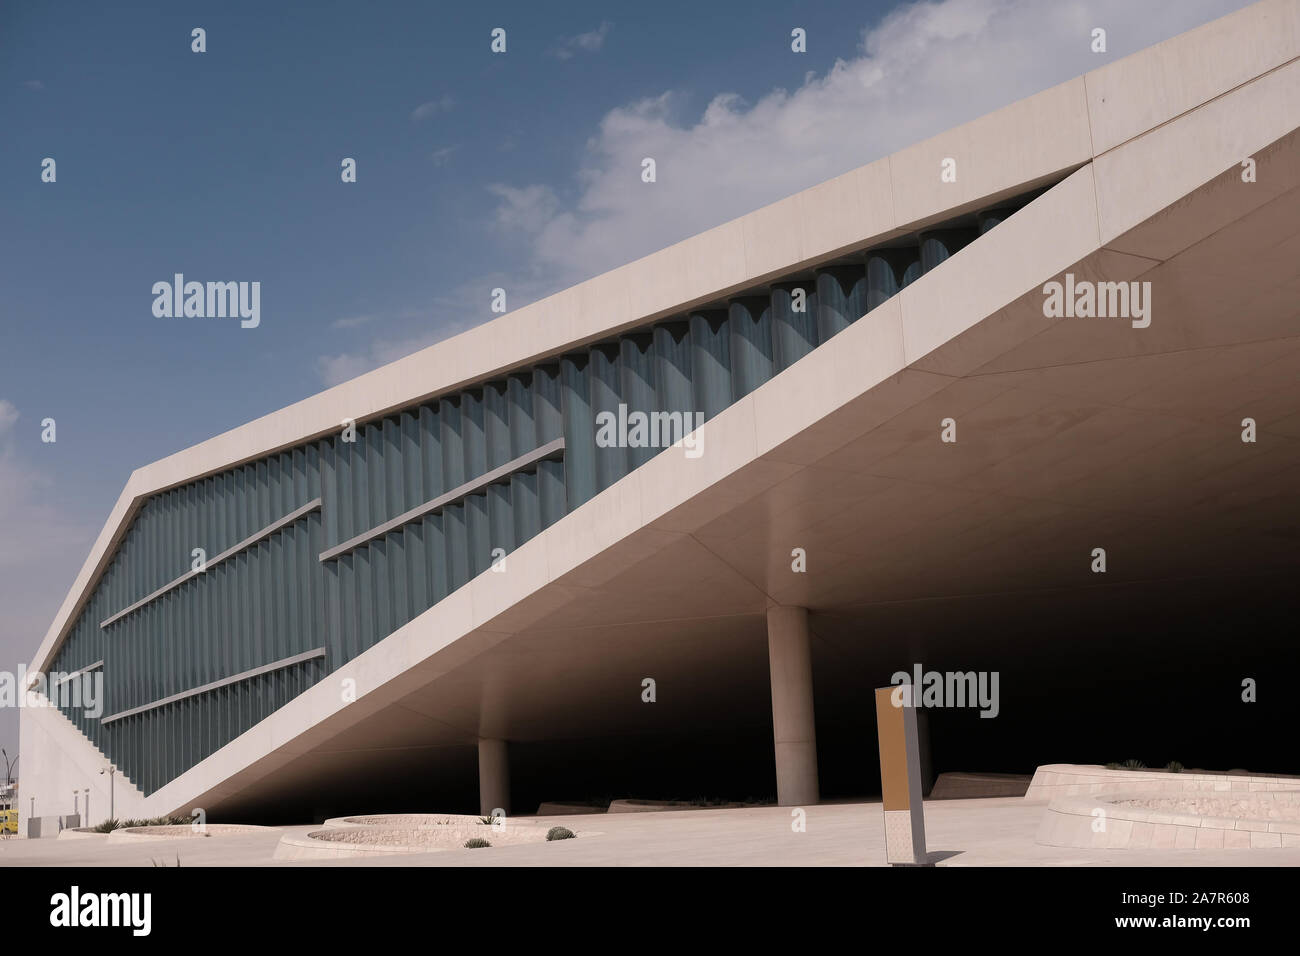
987,832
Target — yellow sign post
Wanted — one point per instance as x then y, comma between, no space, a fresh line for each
900,777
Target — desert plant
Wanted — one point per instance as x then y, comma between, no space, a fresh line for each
1174,767
1114,766
1132,763
108,826
559,833
476,843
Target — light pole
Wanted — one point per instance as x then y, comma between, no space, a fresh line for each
87,806
110,770
11,798
9,766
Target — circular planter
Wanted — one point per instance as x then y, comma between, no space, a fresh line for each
182,831
381,834
1171,820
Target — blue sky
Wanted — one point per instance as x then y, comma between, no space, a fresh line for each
475,170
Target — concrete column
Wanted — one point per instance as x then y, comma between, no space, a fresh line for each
493,776
789,653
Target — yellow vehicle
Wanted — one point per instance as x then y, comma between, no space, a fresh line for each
9,821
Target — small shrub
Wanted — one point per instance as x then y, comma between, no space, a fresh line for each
1174,767
476,843
1132,763
1114,766
108,826
485,821
559,833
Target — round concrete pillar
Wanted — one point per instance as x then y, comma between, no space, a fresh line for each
493,776
789,652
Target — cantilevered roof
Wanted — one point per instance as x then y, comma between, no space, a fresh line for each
1144,133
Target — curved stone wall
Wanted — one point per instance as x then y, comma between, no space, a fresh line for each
1172,820
1065,780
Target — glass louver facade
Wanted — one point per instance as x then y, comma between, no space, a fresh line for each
316,553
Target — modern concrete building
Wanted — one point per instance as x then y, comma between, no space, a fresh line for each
472,588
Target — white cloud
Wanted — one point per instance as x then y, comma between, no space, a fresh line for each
527,210
8,415
589,42
433,107
923,69
442,156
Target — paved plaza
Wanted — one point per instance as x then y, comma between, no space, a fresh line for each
986,832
